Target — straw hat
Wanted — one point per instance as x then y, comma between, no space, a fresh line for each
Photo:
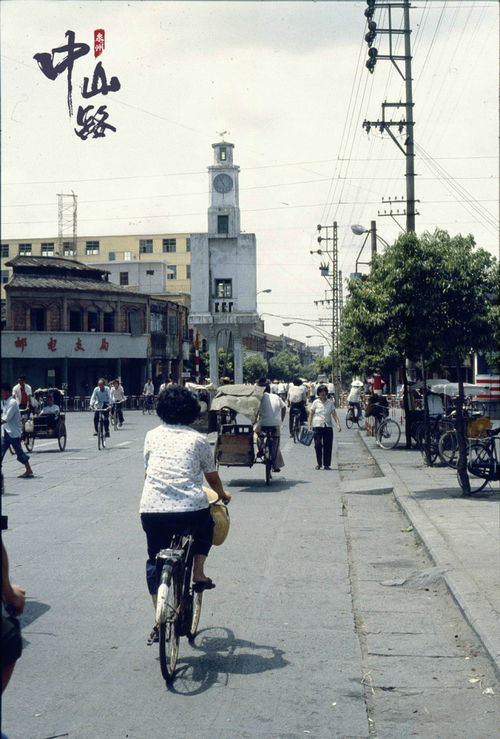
220,516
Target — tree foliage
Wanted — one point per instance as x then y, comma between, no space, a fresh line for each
285,366
254,367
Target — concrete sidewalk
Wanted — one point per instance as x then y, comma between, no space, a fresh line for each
460,534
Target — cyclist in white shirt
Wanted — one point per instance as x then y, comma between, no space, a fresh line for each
271,415
100,400
149,392
297,396
118,398
321,415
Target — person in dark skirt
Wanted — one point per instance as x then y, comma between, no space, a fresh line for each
173,501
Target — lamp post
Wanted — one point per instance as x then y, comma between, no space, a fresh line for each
360,231
267,290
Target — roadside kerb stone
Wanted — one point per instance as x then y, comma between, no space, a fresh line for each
475,607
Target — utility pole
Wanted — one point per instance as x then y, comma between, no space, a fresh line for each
67,223
330,271
407,124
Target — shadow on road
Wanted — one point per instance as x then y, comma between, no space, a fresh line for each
221,654
32,610
487,495
259,486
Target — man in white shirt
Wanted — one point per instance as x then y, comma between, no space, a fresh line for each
12,428
23,394
148,392
51,407
297,396
271,415
118,397
100,400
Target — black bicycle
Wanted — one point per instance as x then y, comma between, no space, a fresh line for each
101,429
148,404
353,416
115,413
482,462
268,450
296,424
178,606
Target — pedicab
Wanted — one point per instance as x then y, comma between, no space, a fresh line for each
45,424
236,445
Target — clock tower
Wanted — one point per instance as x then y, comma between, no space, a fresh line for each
223,268
224,210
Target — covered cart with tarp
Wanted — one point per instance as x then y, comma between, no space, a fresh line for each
204,395
235,441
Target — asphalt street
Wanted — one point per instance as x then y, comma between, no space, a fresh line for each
299,638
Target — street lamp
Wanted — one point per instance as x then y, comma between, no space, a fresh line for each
267,290
360,231
326,335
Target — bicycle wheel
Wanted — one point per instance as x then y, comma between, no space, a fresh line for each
476,483
361,423
268,459
168,632
61,439
101,437
144,408
195,615
29,442
448,448
114,419
349,420
388,434
433,449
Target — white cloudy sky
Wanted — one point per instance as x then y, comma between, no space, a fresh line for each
289,83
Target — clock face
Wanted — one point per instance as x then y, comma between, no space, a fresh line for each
223,183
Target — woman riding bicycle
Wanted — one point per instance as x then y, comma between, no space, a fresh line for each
173,501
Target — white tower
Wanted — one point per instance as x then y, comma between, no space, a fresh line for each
223,268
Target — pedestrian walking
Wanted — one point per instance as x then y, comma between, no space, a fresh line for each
321,417
12,428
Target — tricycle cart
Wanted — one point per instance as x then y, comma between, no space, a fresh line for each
236,445
46,425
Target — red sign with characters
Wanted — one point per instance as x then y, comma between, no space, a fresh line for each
21,343
99,38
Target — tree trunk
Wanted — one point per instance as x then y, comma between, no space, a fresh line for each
427,430
461,440
406,405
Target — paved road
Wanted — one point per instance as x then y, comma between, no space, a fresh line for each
296,639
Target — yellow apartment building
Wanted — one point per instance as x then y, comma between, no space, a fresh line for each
173,249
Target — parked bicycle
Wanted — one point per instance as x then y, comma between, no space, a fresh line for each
482,463
386,431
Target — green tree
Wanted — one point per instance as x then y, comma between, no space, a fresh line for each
426,299
254,367
285,366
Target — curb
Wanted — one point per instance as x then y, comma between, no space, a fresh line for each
477,611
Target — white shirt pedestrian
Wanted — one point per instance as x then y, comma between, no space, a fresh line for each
12,418
322,413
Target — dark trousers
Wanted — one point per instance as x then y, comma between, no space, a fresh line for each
15,443
161,527
117,408
105,419
323,443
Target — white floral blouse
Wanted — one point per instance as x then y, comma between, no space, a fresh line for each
175,458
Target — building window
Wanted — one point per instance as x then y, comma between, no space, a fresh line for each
75,320
156,322
172,325
169,245
123,278
223,288
188,271
145,246
109,322
69,248
25,250
5,276
38,319
93,320
5,250
223,154
172,275
91,248
188,244
222,224
111,256
47,250
127,256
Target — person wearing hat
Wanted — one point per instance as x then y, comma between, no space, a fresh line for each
176,458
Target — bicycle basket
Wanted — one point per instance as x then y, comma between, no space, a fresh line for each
306,437
220,516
